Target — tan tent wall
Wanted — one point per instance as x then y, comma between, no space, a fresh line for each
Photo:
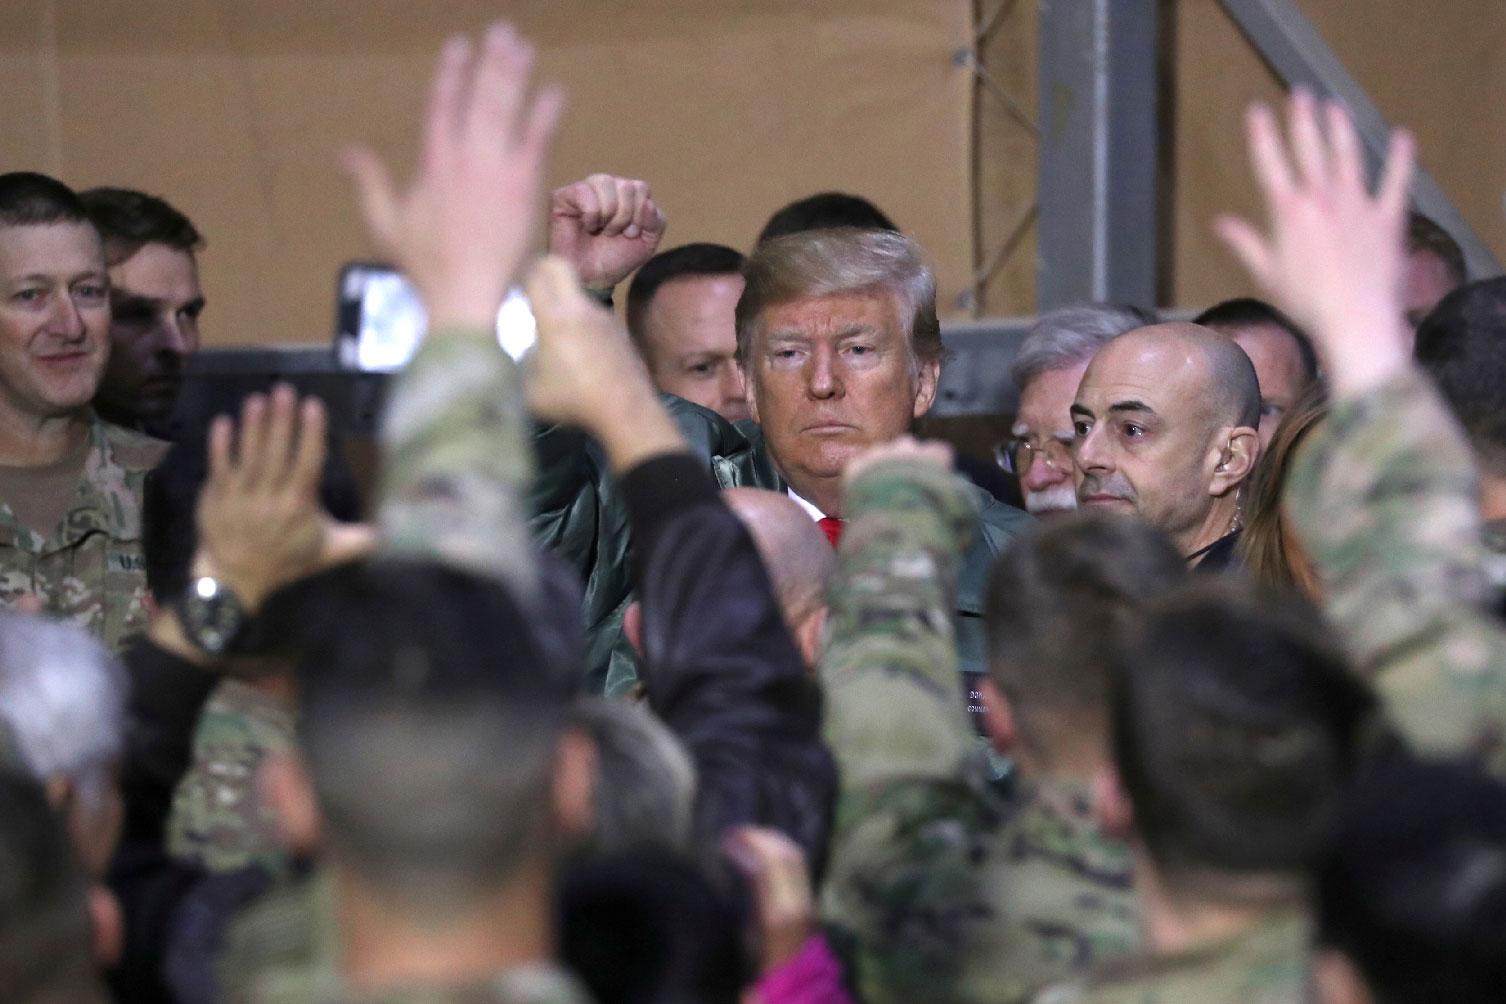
1438,67
236,111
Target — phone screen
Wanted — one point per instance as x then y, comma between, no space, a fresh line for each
381,319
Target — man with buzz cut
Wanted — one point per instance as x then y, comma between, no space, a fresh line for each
70,484
155,303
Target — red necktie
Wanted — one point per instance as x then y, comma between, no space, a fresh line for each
832,527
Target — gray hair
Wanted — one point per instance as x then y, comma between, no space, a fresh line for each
63,698
645,782
815,263
1071,335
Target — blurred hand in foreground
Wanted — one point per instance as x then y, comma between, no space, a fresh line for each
775,867
462,228
1334,257
261,524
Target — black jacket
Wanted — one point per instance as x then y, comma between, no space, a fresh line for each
719,664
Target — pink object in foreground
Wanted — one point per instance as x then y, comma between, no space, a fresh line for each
812,977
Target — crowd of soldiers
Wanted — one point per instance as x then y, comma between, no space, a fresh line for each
670,665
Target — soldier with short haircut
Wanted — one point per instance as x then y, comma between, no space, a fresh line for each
155,303
1236,725
1070,873
45,937
935,890
1412,888
70,484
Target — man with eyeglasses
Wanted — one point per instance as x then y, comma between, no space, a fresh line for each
1047,370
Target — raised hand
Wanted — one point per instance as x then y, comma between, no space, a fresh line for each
775,867
585,372
583,360
605,226
260,521
1334,258
463,227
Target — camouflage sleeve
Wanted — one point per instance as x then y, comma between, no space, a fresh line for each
457,460
1384,497
902,895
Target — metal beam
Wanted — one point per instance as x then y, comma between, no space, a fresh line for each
1295,50
1098,178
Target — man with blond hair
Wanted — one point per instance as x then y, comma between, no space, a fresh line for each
839,342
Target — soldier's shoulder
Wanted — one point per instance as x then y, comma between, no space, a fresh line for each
236,708
1270,963
277,948
132,450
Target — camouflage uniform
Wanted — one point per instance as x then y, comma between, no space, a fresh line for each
932,894
1268,964
90,569
219,819
457,463
457,460
1383,495
282,945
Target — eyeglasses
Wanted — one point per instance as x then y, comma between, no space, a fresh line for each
1017,453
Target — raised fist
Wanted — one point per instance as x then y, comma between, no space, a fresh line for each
604,226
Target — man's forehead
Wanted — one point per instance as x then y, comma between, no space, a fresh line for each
1048,395
833,313
158,271
1147,369
51,249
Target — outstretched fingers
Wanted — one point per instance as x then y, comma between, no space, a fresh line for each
1308,144
307,467
1396,179
443,119
376,194
1248,244
499,88
1268,159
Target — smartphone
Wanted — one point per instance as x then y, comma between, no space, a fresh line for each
380,319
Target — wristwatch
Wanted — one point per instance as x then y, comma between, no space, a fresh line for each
212,615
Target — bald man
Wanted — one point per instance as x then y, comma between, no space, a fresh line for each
796,555
1165,426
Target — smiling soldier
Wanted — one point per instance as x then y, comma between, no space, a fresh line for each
70,485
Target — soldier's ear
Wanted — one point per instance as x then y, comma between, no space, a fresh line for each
1111,806
574,784
1338,980
106,927
809,635
286,787
632,627
998,717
